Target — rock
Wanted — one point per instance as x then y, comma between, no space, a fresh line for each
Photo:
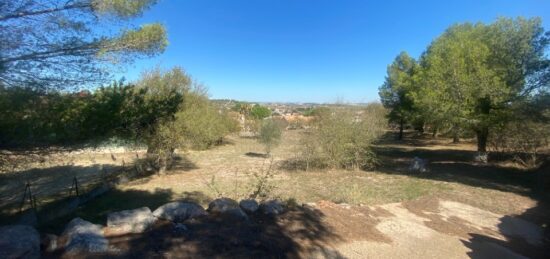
49,242
272,207
309,205
19,241
419,165
83,236
130,221
249,206
123,179
345,206
235,214
179,211
481,157
222,204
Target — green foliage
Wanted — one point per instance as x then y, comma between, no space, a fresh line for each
318,112
259,112
202,123
162,110
64,44
343,138
474,74
121,8
269,135
526,136
395,93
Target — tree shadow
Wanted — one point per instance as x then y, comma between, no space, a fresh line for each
258,155
524,235
53,182
54,187
455,166
96,210
297,233
182,163
534,242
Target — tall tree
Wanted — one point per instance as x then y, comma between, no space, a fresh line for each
71,43
476,73
395,92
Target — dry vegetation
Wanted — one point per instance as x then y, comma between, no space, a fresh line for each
238,168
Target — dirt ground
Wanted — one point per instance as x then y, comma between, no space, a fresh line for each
424,228
457,209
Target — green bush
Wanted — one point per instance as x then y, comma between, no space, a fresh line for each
269,135
259,112
343,138
203,124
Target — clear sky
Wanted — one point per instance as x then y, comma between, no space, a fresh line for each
307,50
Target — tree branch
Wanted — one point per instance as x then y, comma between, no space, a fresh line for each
44,11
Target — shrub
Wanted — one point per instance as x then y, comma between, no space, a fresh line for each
259,112
524,140
342,138
269,135
203,124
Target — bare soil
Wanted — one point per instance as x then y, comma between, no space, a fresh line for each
457,209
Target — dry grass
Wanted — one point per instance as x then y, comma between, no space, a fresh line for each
231,170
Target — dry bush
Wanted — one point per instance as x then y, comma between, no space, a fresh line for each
343,138
255,184
525,141
269,135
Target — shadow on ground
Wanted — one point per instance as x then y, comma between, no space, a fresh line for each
296,233
484,246
458,166
260,155
453,166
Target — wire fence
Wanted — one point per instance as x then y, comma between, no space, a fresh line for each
38,187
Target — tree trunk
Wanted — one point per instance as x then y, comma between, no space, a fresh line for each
456,138
482,135
434,132
401,122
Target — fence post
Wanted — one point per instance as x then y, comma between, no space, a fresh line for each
32,198
75,187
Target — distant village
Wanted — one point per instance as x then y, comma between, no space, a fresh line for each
293,115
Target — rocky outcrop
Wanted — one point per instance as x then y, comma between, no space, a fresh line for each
222,204
179,211
249,206
83,236
235,214
272,207
130,221
19,241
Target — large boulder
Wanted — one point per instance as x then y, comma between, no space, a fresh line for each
222,204
130,221
19,241
249,206
179,211
83,236
272,207
235,214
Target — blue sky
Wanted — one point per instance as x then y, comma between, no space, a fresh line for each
307,50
